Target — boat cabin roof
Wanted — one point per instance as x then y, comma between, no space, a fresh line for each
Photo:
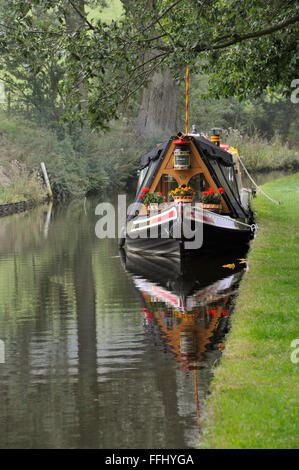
209,149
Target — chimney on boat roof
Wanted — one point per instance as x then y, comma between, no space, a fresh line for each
215,137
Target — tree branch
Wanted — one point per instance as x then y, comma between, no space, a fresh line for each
82,16
148,74
33,31
156,20
254,34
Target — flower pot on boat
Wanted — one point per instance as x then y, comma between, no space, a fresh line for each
183,199
210,200
211,207
151,200
182,194
152,209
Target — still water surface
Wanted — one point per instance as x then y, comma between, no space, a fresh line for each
104,350
264,177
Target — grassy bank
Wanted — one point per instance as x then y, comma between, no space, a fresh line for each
254,400
18,184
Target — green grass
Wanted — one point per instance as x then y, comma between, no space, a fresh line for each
113,11
23,185
254,402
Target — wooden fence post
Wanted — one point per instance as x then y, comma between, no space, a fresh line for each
43,166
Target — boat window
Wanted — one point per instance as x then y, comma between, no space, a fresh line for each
230,187
141,177
146,175
168,183
223,177
230,176
197,182
171,184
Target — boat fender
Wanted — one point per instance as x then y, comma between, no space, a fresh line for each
122,238
253,192
121,242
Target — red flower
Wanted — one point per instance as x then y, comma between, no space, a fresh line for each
205,193
160,194
145,190
140,196
212,312
210,192
221,190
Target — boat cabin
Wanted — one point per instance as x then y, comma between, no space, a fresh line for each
195,162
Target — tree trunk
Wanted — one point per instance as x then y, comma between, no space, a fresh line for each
158,107
8,103
74,21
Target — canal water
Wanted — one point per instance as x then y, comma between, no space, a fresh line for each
263,177
101,349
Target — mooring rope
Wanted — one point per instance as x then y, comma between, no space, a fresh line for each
252,180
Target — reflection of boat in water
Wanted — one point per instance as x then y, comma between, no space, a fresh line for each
190,304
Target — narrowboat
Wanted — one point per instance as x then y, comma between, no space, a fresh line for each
190,198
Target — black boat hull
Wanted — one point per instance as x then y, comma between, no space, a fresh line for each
213,232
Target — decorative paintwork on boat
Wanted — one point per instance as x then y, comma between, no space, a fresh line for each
142,223
211,218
